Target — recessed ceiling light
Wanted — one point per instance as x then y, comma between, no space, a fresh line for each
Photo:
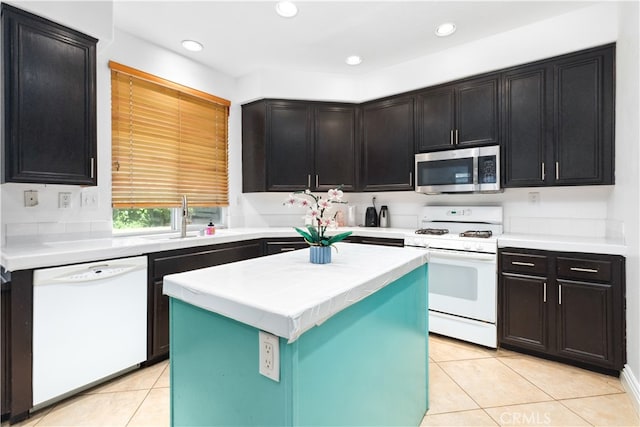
445,29
192,45
286,9
353,60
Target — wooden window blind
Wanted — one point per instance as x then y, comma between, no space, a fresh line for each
167,140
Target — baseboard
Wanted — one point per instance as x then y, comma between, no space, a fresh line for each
632,386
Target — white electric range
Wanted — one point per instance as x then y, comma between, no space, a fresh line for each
462,273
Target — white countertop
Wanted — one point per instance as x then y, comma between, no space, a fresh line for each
38,255
594,245
285,294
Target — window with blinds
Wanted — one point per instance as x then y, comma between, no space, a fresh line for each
167,140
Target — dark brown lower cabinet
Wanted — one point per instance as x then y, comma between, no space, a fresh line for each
5,327
524,313
281,244
178,261
565,306
380,241
286,244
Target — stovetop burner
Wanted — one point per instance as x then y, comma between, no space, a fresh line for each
485,234
433,231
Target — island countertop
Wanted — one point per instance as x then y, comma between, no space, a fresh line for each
285,294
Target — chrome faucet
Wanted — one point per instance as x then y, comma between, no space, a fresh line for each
185,216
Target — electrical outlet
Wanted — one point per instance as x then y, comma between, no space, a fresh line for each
534,198
64,200
30,198
269,355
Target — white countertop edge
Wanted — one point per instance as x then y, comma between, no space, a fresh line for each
292,324
564,243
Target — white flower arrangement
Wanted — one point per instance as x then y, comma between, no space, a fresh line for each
320,213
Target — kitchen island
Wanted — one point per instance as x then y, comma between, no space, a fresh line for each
351,338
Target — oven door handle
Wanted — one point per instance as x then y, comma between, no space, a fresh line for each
463,256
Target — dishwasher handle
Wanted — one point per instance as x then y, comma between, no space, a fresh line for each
88,272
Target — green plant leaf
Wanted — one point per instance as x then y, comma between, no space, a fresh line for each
314,233
339,237
305,235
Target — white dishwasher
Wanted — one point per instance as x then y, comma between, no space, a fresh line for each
89,323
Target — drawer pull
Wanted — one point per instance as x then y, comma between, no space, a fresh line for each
525,264
287,249
584,270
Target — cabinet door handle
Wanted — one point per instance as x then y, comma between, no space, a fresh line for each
557,170
525,264
451,137
316,181
543,172
93,162
457,140
410,177
544,293
559,294
309,181
584,270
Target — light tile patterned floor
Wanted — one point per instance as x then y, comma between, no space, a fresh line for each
469,386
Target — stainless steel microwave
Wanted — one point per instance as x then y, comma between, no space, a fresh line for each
466,170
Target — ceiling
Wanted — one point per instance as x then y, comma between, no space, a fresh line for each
242,37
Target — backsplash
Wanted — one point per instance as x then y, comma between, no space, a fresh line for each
562,211
568,211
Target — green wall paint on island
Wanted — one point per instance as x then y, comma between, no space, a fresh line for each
366,365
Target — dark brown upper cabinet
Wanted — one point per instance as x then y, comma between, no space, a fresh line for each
462,114
526,118
558,121
295,145
49,86
388,145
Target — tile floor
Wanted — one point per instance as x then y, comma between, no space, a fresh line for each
469,386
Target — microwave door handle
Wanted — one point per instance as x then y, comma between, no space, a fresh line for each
476,184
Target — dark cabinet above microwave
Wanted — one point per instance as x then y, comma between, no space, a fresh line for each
49,86
459,115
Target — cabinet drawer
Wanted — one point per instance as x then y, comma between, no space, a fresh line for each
277,247
524,263
583,269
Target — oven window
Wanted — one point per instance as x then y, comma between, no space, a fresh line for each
445,172
453,281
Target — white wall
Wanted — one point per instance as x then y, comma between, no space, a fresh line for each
624,204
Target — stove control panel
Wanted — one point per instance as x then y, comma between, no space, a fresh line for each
468,244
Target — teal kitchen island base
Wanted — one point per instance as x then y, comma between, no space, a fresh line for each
365,365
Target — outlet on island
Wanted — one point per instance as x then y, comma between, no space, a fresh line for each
269,355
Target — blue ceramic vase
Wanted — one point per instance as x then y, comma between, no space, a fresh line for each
320,254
